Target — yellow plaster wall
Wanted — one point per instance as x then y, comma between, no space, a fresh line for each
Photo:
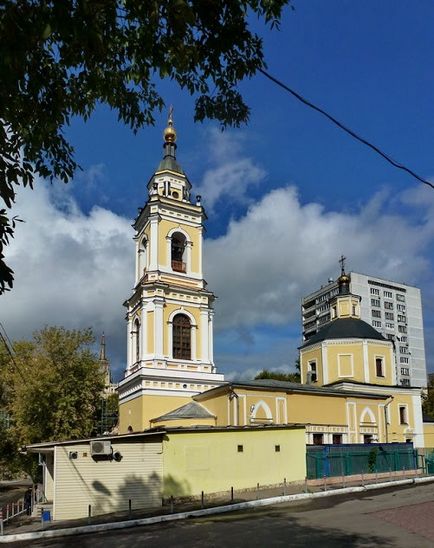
307,355
355,350
428,432
139,411
218,406
211,462
194,236
307,408
131,414
397,432
384,352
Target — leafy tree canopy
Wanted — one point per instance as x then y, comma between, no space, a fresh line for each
60,58
428,400
278,376
54,387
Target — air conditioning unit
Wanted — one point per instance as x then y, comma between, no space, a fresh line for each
100,448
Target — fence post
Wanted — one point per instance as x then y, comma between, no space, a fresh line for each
325,482
257,491
202,500
305,484
284,486
129,508
232,494
171,504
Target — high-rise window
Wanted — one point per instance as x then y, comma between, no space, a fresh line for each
375,302
181,337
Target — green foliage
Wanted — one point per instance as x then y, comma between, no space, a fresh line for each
107,413
51,388
276,375
428,399
59,59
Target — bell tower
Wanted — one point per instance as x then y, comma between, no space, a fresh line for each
170,312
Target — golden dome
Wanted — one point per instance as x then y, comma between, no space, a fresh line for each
169,134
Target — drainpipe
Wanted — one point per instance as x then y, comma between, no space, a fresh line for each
385,418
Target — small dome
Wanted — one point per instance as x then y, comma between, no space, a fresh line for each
169,134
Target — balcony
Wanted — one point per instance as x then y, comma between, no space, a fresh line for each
178,266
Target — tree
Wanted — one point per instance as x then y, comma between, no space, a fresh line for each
428,399
55,383
278,376
58,59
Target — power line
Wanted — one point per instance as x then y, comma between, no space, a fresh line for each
8,345
346,129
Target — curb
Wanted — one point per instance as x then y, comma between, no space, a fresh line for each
203,512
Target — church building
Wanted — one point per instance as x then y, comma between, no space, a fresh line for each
170,312
349,391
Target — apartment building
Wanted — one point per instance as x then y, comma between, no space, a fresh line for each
394,309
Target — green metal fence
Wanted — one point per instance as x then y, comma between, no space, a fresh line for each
429,461
351,459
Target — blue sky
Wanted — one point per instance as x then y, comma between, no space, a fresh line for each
285,195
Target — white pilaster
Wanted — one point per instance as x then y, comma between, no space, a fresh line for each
129,344
144,334
418,437
204,332
199,251
153,243
325,365
158,327
365,361
210,337
188,246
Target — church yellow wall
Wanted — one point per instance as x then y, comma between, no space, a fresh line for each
307,408
131,414
139,411
375,350
334,351
339,358
194,236
218,406
307,355
397,431
210,461
428,431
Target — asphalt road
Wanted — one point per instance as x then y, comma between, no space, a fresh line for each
391,518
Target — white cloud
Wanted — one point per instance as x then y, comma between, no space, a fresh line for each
231,174
71,269
76,269
281,249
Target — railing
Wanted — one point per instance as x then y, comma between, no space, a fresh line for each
178,266
350,459
18,507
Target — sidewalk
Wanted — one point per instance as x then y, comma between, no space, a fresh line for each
215,504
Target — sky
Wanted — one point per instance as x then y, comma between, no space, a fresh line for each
285,195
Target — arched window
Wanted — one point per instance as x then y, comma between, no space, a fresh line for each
137,339
181,337
177,251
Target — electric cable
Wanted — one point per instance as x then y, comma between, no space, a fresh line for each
350,132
